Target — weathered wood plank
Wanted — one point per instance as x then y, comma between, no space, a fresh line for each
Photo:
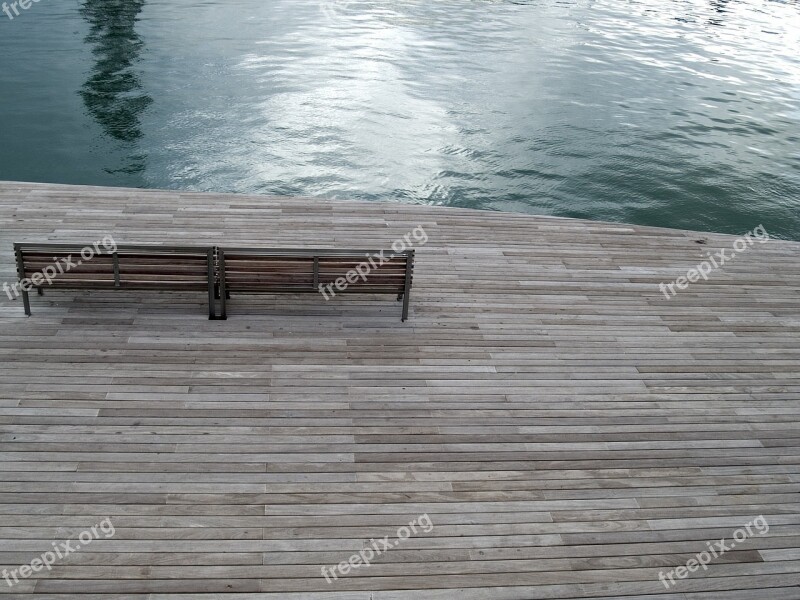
569,431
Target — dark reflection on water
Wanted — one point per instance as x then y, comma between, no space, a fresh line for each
113,93
677,113
719,6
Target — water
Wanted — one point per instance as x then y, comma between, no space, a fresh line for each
678,114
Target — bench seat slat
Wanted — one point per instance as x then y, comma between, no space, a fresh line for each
307,290
150,285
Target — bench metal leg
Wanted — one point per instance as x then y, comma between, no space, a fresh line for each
26,301
407,288
224,294
212,312
217,296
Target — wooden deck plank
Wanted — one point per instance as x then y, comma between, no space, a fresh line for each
569,431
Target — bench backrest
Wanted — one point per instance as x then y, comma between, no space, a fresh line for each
142,267
279,270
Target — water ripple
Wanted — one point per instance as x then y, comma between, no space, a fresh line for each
681,114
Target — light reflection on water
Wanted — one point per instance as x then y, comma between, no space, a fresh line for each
680,114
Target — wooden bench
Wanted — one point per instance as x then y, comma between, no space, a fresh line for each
162,268
219,272
325,272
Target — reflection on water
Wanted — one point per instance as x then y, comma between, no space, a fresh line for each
113,93
680,114
719,6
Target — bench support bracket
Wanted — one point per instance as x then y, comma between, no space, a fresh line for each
212,312
223,291
407,287
26,301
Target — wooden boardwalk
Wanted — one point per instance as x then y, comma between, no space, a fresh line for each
569,431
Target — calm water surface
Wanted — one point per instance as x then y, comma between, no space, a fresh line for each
680,114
